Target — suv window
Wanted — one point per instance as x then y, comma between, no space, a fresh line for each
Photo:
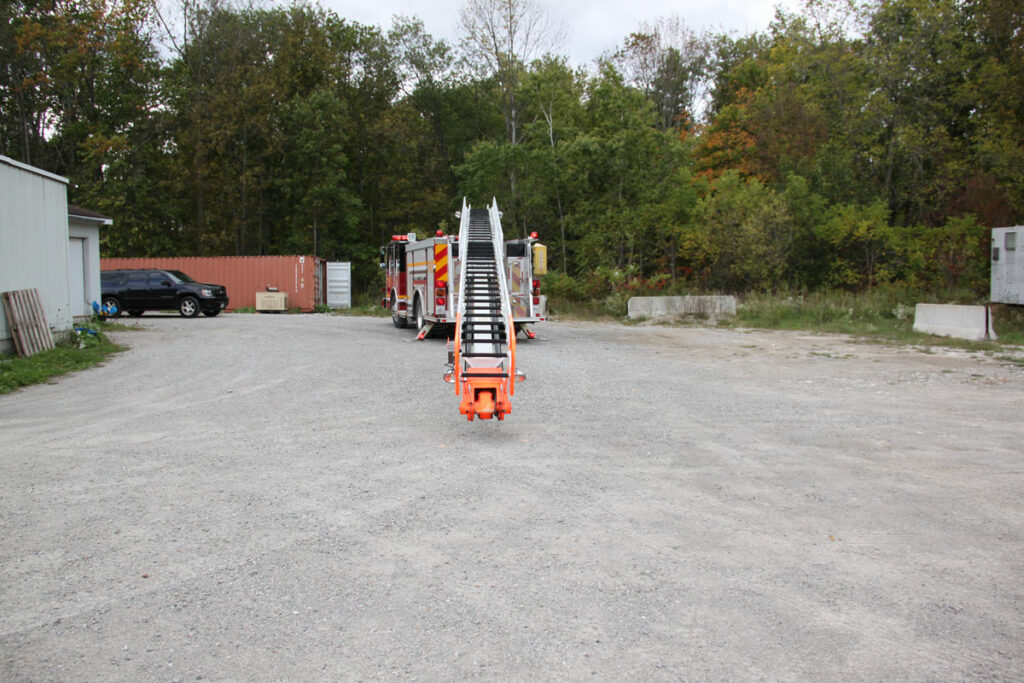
157,279
138,279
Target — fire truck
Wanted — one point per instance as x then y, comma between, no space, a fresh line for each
422,275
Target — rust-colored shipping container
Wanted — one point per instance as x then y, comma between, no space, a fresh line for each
302,278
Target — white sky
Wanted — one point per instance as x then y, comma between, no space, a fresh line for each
594,26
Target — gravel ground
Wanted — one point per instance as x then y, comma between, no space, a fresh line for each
297,497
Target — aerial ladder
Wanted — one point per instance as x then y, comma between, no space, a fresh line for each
482,357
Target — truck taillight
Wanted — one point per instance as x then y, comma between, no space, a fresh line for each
536,288
536,301
440,295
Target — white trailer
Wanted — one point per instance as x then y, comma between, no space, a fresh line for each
1007,266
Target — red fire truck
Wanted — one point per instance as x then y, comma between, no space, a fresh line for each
421,279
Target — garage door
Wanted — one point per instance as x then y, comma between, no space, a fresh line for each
76,276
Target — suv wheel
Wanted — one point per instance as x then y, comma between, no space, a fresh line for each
188,307
113,304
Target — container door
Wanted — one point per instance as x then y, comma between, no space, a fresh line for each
320,277
339,284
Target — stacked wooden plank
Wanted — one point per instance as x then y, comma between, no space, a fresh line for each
27,321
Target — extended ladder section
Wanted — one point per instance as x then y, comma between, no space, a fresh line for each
483,363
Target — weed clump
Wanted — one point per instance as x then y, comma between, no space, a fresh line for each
82,348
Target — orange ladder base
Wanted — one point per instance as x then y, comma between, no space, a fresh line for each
484,397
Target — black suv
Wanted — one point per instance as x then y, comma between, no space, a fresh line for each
141,290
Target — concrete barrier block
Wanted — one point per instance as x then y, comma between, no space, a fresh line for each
947,320
660,306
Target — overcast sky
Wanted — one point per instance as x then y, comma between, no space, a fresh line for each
594,26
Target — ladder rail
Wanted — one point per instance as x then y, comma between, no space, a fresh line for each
498,239
460,309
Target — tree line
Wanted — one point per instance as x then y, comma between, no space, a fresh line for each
849,145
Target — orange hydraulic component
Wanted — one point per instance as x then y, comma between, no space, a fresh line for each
458,341
484,395
511,357
486,391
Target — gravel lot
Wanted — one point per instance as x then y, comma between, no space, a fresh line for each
297,497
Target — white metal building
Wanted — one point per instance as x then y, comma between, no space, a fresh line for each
1007,266
44,247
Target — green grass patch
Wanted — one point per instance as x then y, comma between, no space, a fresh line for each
370,310
610,308
78,351
111,326
1008,322
244,309
882,315
365,305
878,313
